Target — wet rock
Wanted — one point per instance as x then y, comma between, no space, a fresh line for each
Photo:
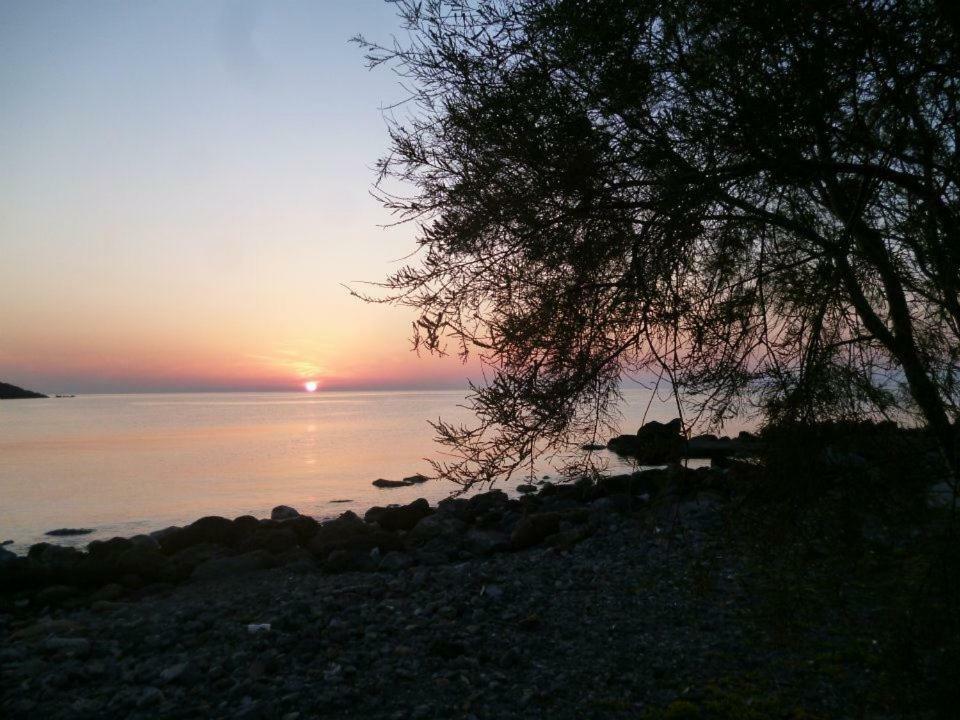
403,517
526,489
68,532
415,479
384,483
283,512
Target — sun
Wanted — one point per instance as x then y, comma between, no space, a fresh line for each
310,386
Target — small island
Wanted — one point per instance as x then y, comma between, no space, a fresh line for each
12,392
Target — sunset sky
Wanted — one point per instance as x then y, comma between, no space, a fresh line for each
185,186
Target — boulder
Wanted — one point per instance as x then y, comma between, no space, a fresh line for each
655,443
533,529
212,529
303,526
244,527
283,512
415,479
349,533
402,517
272,539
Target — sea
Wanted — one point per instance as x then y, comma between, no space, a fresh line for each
130,464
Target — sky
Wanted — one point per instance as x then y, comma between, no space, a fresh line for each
186,187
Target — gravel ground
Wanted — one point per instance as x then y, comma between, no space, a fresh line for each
624,624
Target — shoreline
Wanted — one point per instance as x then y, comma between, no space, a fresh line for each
621,597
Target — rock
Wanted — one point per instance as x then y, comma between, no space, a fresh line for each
54,554
655,443
303,526
342,560
179,673
270,538
349,533
67,532
108,593
446,649
383,483
56,595
216,568
492,592
6,542
158,535
403,517
7,557
68,645
415,479
940,495
482,541
438,525
145,541
566,539
283,512
526,489
533,529
213,529
592,446
393,561
149,696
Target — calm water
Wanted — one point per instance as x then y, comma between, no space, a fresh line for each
125,464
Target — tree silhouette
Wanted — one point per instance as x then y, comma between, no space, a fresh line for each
756,200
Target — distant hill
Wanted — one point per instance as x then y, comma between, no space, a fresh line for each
12,392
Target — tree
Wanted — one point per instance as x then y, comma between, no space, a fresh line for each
756,200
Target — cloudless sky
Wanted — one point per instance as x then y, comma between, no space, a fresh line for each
185,186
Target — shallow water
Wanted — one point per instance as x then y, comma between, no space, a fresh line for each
126,464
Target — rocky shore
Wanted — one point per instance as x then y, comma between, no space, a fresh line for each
612,597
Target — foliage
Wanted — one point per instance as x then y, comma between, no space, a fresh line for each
758,202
